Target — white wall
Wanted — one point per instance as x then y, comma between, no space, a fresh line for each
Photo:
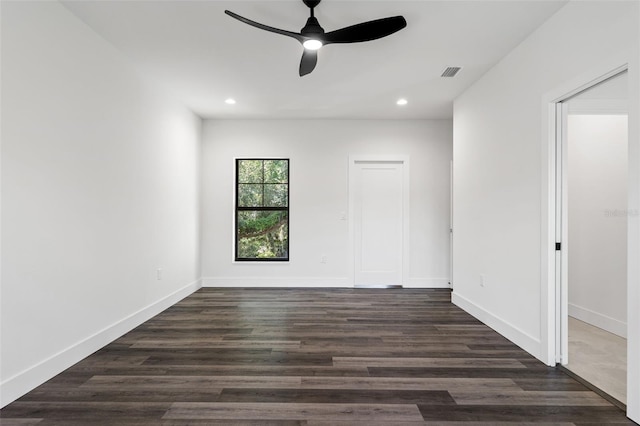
319,151
597,223
498,165
99,188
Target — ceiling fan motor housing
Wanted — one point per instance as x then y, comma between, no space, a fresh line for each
311,3
312,28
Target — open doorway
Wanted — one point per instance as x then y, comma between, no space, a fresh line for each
592,216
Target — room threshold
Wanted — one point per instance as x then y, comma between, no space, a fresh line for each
621,405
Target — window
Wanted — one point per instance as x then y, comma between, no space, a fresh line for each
262,210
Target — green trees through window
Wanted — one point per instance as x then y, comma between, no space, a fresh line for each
262,209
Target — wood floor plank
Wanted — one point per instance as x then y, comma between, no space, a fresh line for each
231,422
424,423
199,343
223,370
284,411
550,384
312,357
522,373
349,351
365,423
495,414
427,362
128,395
418,337
81,410
337,396
20,422
479,385
178,382
165,422
538,398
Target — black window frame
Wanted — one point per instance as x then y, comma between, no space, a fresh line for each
239,209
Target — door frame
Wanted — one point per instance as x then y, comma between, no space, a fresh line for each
404,159
551,296
562,208
451,225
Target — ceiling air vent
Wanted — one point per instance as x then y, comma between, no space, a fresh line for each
451,72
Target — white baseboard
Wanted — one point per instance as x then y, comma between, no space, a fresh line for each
599,320
517,336
427,283
276,282
311,282
18,385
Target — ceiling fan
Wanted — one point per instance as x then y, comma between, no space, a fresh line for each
313,37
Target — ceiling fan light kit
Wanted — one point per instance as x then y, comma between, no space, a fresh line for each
312,44
312,36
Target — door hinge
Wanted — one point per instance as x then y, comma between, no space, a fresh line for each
558,246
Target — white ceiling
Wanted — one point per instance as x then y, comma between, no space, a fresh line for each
203,56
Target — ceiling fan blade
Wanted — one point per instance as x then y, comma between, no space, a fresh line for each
297,36
366,31
308,62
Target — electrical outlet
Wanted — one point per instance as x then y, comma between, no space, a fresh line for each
483,279
323,258
159,274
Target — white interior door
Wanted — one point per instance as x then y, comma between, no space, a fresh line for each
378,209
562,241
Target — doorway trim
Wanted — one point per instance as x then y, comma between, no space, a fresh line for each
551,114
404,159
549,349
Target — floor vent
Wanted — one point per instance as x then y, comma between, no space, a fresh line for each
451,72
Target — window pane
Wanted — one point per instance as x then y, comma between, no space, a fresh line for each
275,195
250,195
263,234
249,171
276,171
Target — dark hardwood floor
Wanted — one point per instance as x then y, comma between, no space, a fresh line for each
312,357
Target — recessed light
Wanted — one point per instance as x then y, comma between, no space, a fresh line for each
230,101
402,102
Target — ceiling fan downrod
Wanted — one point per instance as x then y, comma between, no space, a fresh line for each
311,4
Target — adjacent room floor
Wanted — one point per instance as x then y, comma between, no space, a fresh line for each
599,357
312,357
